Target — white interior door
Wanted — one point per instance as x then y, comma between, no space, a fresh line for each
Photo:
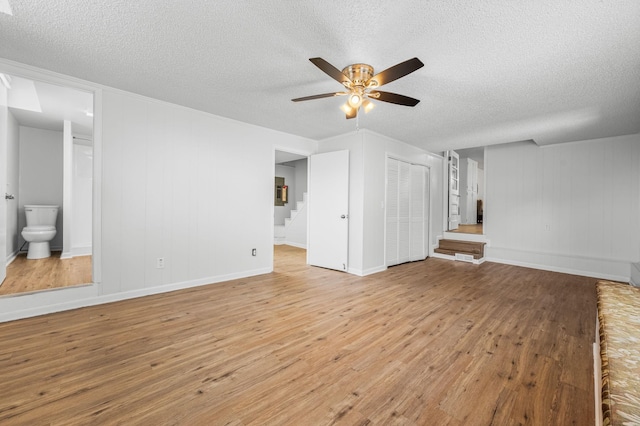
407,212
4,115
454,189
328,208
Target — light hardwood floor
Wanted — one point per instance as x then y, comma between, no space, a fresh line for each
25,275
426,343
469,229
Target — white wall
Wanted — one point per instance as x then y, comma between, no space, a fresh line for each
368,153
301,178
572,207
4,119
176,183
13,180
41,166
82,182
480,184
190,187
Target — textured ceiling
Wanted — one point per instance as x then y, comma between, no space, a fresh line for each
495,71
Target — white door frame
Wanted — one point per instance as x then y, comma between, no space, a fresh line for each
289,150
50,77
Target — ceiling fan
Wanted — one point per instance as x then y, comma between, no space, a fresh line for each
362,84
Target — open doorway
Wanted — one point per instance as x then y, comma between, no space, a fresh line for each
470,204
49,162
290,208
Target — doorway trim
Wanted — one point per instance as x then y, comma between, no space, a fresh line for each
303,153
50,77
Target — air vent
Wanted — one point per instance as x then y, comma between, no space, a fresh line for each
464,257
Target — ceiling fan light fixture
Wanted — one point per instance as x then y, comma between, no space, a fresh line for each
355,100
367,105
346,108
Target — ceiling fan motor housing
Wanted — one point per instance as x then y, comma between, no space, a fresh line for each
359,74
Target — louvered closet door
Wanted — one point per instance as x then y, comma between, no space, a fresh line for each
407,212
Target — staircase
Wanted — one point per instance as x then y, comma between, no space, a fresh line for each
294,230
464,248
454,247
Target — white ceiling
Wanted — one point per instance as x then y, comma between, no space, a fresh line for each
495,71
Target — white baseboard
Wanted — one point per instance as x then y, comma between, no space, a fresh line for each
81,251
449,257
635,275
293,244
365,272
575,265
11,257
89,295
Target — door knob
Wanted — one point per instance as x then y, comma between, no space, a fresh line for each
344,216
8,196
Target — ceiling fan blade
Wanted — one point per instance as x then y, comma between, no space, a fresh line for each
331,71
324,95
395,72
393,98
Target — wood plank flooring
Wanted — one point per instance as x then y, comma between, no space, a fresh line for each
469,229
426,343
29,275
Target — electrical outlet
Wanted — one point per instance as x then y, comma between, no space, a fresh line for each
160,263
254,252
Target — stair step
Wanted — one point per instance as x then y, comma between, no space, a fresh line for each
451,247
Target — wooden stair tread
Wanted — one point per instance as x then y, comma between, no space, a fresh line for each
451,247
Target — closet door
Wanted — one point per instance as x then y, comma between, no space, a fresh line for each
407,212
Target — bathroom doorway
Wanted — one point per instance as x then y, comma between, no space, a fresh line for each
49,155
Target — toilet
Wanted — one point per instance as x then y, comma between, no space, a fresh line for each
40,229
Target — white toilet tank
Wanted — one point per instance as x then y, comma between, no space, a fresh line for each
40,215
